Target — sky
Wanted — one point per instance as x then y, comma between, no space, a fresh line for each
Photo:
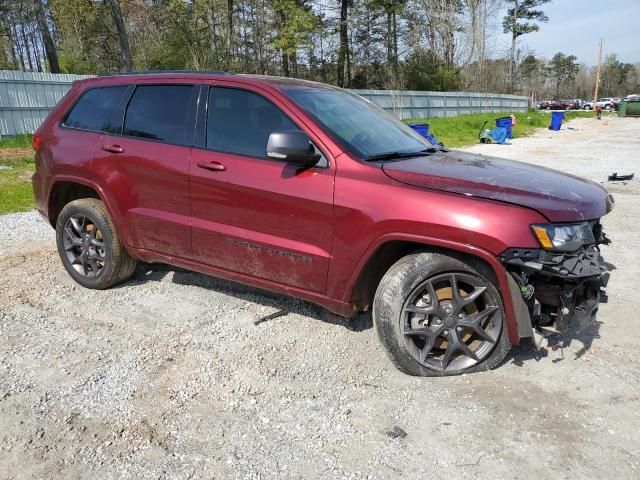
576,26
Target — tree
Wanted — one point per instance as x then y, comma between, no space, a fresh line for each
47,39
615,76
564,69
125,49
344,61
533,75
521,10
295,23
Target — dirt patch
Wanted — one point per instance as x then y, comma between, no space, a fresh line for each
11,153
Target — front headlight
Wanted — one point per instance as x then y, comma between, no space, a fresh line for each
566,237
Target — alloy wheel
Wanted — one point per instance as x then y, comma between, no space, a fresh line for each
84,245
451,321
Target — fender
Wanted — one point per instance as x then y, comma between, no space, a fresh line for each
494,263
117,220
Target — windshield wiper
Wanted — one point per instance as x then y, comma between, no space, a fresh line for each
392,155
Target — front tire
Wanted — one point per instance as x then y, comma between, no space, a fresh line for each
437,316
89,246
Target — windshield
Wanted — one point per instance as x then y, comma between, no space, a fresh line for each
361,127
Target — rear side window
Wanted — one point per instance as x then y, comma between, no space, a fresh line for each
239,121
95,109
159,112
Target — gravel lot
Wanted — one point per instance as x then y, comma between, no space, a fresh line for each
179,375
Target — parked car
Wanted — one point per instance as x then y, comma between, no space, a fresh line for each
551,105
631,98
568,104
309,190
578,103
604,103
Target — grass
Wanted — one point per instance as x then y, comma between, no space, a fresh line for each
16,194
462,130
16,141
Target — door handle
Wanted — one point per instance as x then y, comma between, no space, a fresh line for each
211,165
113,148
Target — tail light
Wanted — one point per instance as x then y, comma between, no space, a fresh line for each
36,142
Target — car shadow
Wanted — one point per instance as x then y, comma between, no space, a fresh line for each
282,304
557,342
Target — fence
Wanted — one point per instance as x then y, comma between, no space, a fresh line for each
411,104
26,98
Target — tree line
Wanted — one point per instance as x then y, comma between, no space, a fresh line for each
384,44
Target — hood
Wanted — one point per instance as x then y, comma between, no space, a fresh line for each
558,196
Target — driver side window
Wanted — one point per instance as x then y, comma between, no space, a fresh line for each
239,121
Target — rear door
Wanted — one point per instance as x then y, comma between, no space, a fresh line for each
146,168
251,214
75,139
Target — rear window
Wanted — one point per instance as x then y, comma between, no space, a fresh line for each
159,112
94,111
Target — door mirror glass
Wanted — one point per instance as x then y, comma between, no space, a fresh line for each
292,146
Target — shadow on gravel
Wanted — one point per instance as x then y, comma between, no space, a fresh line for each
281,303
526,351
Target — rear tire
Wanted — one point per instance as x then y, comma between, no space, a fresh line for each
89,246
426,337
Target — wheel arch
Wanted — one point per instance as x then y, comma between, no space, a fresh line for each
390,248
65,189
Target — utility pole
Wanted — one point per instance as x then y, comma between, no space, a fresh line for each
595,93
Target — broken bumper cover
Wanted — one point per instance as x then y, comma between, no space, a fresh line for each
551,290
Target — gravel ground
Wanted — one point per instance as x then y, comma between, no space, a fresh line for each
179,375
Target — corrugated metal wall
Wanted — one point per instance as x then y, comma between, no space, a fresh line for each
412,104
26,98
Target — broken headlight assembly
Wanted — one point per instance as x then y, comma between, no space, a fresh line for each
565,237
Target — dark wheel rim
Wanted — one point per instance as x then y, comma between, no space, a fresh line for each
84,245
451,321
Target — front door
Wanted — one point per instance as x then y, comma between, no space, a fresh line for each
251,214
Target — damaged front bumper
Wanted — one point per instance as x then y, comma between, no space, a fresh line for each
552,290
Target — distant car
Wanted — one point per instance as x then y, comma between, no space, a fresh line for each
605,103
631,98
569,104
551,105
579,103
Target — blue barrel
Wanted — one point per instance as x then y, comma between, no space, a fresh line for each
505,122
421,128
556,120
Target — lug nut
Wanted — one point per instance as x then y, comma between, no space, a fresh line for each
459,315
447,310
459,329
438,321
445,333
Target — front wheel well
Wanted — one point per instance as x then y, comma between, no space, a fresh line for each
389,253
64,192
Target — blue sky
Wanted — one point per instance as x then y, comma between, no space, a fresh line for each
576,26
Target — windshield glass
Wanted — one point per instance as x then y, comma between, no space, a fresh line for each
360,126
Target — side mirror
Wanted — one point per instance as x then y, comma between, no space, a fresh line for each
292,146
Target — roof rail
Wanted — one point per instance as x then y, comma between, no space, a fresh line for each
151,72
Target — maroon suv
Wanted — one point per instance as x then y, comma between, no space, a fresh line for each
308,190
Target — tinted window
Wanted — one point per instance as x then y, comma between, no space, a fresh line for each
159,112
360,126
240,122
94,110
